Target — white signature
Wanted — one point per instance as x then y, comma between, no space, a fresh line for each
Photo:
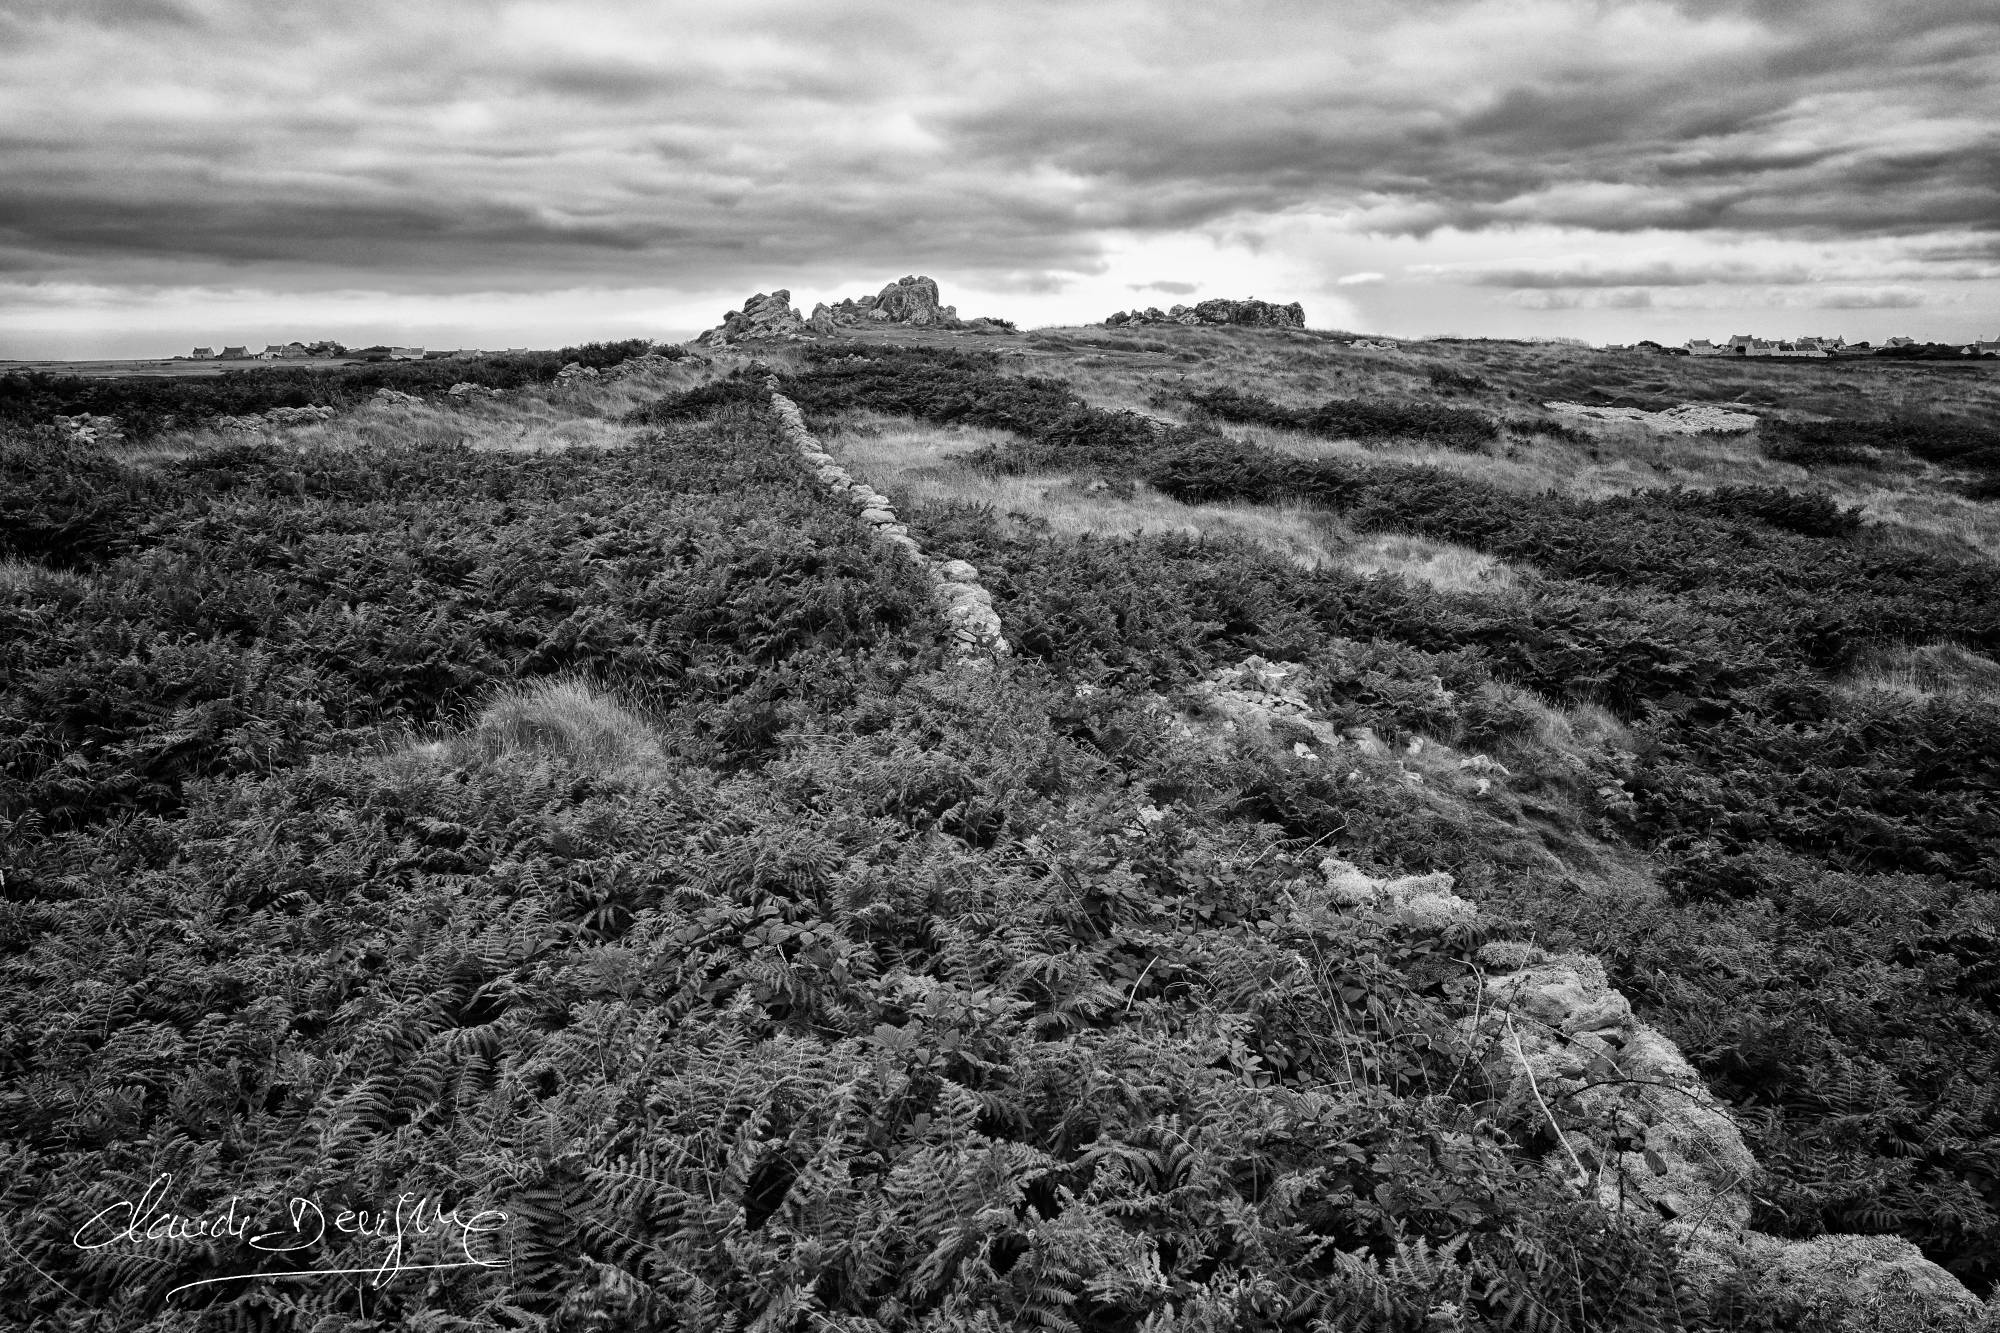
409,1217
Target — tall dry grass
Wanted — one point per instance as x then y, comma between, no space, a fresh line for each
915,462
532,421
564,718
22,575
1923,671
1919,505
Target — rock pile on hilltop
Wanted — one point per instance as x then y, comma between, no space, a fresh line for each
763,318
1251,312
909,302
912,300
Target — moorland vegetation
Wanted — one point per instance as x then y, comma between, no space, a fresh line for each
147,406
603,837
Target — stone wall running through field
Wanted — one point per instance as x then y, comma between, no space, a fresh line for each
1569,1051
968,607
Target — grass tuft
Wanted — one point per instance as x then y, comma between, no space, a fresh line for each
565,719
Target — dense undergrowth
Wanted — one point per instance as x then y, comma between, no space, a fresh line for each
1946,441
147,405
817,986
1362,419
1827,943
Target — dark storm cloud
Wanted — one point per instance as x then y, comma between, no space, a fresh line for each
509,145
1829,120
1662,273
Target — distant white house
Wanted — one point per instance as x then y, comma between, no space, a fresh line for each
1749,344
234,354
406,353
203,354
1703,347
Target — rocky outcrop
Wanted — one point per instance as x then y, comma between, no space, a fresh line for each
763,318
968,607
908,302
1251,312
465,390
1635,1125
575,372
647,363
395,398
912,301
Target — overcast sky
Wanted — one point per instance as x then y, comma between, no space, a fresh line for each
453,173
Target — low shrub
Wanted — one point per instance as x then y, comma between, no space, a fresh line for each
146,405
1358,419
1946,441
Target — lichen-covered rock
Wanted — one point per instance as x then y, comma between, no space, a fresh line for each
1869,1283
1425,900
1568,994
955,593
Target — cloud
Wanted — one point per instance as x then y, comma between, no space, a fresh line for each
1868,298
1017,145
1170,288
1565,273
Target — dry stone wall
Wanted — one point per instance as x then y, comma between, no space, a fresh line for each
85,428
1568,1050
967,606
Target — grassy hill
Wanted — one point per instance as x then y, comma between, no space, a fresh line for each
559,812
